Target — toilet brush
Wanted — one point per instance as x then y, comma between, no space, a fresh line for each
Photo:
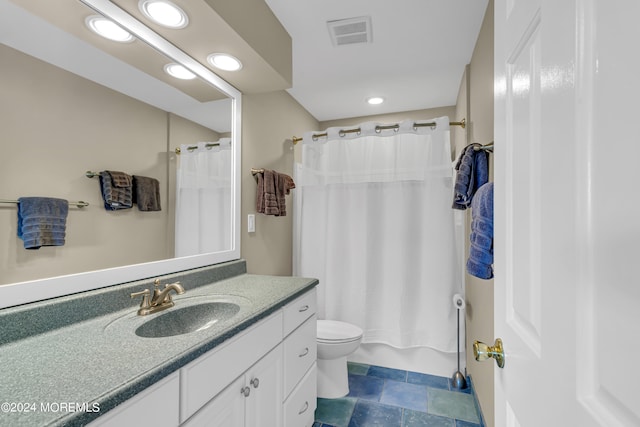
458,380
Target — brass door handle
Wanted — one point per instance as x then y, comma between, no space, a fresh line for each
482,352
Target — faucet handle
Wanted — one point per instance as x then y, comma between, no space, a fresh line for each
145,297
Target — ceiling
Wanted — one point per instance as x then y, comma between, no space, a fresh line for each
415,60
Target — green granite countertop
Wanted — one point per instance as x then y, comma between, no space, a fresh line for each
99,361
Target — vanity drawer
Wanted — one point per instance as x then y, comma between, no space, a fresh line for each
211,373
300,352
300,407
299,310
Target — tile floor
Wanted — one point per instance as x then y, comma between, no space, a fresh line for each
394,398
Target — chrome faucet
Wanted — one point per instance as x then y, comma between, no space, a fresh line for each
161,299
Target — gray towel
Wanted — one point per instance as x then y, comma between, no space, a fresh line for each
118,196
146,193
42,221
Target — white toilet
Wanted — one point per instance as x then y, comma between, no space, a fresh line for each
336,340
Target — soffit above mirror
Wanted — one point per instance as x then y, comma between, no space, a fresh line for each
70,15
247,30
208,32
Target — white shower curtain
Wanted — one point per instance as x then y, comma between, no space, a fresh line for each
203,197
373,222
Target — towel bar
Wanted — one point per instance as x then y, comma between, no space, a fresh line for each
79,203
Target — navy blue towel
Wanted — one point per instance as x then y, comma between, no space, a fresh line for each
473,173
480,259
42,221
117,190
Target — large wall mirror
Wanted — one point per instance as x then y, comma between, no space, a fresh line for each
74,102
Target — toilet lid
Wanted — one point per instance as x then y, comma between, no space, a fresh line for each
336,331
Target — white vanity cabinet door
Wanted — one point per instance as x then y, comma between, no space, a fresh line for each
252,400
225,410
157,406
264,403
299,310
300,406
300,352
212,372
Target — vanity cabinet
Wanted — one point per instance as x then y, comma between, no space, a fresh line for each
211,373
252,400
264,376
285,393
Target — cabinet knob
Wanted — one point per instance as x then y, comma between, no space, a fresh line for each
255,382
245,391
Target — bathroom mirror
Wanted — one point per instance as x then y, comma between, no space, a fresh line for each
113,108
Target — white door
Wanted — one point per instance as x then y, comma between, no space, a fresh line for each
567,223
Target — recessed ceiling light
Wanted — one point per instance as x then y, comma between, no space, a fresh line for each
375,100
179,72
164,12
108,29
224,61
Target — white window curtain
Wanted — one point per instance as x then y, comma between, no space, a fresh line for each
203,197
373,222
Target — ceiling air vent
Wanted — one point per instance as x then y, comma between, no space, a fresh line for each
350,31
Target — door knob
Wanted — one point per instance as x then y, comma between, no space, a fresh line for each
482,352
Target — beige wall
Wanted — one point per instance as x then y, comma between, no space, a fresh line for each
476,99
56,126
269,121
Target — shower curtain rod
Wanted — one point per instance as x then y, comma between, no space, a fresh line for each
380,128
79,203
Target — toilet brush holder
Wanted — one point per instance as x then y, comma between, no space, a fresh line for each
458,380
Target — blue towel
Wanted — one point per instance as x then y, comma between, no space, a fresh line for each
473,173
117,190
42,221
480,259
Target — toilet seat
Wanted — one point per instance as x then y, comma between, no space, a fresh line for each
336,332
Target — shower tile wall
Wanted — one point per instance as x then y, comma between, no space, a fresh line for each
395,398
